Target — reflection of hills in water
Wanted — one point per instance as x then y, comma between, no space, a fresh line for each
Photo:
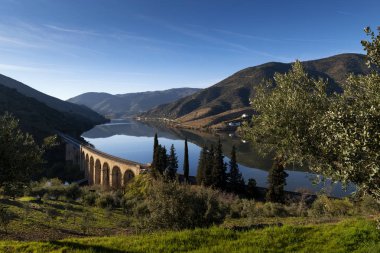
246,154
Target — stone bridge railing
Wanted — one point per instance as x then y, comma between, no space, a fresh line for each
101,168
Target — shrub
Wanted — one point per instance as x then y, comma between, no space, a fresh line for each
72,191
324,205
367,205
274,210
89,198
174,206
106,200
6,216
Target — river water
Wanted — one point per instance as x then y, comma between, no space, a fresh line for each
133,140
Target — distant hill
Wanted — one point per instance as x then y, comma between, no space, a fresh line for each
129,104
232,94
40,114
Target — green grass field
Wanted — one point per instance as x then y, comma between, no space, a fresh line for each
53,220
351,235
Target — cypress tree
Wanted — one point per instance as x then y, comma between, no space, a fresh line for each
251,188
219,168
155,153
202,164
186,166
276,182
171,170
235,179
162,163
208,166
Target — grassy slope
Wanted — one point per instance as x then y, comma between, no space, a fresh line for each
346,236
32,221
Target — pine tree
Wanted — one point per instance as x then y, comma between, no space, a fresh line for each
186,166
162,162
208,167
155,153
236,182
171,170
219,169
251,188
276,182
202,164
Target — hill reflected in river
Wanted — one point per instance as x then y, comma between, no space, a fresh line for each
246,154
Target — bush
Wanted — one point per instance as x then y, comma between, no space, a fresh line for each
274,210
54,189
325,206
6,216
367,205
174,206
89,198
106,200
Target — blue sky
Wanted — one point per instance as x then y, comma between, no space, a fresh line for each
68,47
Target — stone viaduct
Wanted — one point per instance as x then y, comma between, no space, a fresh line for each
100,168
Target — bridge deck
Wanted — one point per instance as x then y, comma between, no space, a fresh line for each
79,144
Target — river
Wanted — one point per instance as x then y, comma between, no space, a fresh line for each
133,140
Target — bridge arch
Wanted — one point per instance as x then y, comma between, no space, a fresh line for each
106,175
98,172
86,166
128,175
116,177
91,173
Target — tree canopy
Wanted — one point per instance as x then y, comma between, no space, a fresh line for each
20,156
336,135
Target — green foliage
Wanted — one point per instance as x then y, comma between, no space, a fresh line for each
235,181
251,188
372,47
55,189
336,135
155,154
6,216
171,170
175,206
20,156
325,206
105,201
186,166
202,164
218,173
286,111
276,183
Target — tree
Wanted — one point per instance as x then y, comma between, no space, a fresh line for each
162,162
208,180
251,188
171,170
218,173
186,166
336,135
155,154
202,164
276,183
236,182
20,156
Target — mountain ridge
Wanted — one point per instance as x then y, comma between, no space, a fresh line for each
129,104
235,91
52,102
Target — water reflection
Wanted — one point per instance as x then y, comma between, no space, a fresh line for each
133,140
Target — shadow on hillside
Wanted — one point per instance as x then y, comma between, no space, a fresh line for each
87,248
